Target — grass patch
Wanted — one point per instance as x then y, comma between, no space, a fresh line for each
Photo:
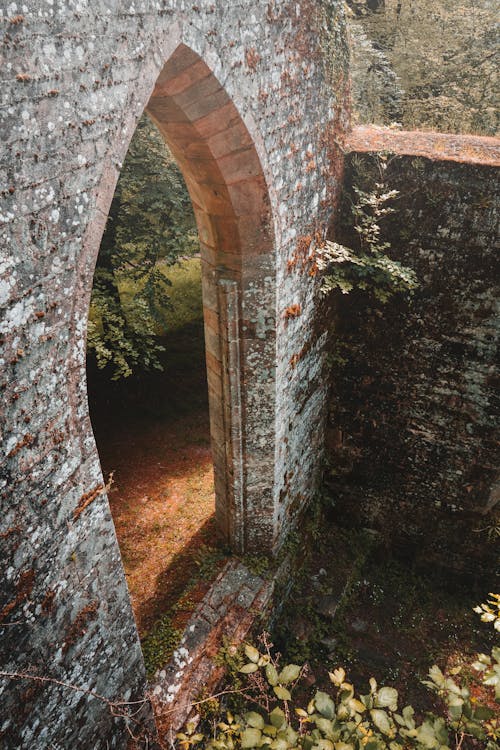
184,292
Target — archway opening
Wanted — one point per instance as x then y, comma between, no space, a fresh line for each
215,152
147,381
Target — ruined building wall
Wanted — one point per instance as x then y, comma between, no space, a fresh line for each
413,439
76,78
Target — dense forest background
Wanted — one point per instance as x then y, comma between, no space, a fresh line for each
426,64
150,231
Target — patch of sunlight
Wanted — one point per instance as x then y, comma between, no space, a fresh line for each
184,294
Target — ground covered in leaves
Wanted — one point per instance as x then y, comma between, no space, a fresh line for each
153,436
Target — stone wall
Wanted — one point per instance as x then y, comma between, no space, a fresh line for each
413,439
77,75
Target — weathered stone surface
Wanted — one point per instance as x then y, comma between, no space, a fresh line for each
414,422
225,616
243,94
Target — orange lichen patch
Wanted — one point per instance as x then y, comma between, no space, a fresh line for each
252,58
27,440
293,311
469,149
162,502
80,625
305,252
9,531
295,359
24,588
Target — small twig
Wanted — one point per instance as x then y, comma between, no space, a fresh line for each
206,700
114,706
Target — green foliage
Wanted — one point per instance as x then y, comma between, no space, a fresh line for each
259,565
159,645
342,719
465,715
368,267
490,611
208,561
444,55
490,667
150,225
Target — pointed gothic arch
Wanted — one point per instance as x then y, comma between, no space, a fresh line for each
225,179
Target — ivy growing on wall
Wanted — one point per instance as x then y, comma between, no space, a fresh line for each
367,267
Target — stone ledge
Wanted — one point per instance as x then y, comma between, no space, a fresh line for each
468,149
227,612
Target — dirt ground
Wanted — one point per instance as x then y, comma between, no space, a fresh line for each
360,606
153,435
162,502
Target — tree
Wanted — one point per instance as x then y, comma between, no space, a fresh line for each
150,225
444,55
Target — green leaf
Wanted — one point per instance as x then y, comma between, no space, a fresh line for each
381,721
324,704
282,693
325,726
356,706
455,711
426,735
250,738
289,674
272,674
441,731
253,719
280,743
337,676
367,700
277,718
437,676
346,692
387,697
270,730
248,668
323,745
252,653
291,736
408,714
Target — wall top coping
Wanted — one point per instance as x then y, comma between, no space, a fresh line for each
468,149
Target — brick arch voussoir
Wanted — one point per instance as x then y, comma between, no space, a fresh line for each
218,158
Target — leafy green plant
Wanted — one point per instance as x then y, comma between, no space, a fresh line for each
342,719
368,267
465,715
159,644
150,225
490,611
